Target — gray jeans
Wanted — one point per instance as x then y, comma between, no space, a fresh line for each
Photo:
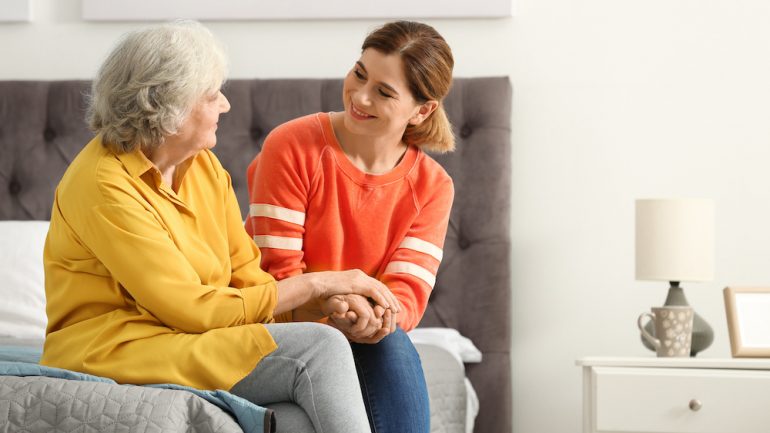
312,368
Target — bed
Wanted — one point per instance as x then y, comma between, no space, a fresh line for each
42,129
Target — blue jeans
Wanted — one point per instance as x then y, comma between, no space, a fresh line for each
393,385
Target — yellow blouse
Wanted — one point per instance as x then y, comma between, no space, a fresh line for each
148,285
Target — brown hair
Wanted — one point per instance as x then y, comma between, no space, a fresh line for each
428,64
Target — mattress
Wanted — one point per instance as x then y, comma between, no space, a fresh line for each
446,389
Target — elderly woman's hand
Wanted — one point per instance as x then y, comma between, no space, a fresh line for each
357,282
296,291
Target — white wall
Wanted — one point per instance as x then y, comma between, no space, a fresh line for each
613,100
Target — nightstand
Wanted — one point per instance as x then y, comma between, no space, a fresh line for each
673,395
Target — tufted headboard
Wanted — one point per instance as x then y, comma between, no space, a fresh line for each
42,128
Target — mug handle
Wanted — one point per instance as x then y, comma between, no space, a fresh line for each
654,341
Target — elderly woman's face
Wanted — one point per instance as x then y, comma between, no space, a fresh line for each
199,129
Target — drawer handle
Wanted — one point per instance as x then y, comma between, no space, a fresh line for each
695,405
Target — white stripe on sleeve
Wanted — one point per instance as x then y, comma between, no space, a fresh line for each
411,269
280,242
277,212
422,246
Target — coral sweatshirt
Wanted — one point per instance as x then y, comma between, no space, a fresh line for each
312,210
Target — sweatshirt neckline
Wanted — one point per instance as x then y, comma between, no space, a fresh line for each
343,162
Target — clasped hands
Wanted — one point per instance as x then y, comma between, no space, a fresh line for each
361,307
359,319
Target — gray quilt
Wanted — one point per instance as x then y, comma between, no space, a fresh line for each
45,404
72,402
35,398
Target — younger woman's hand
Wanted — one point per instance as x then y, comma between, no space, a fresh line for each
372,339
365,318
334,305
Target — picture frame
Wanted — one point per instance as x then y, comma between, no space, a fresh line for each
16,11
240,10
748,321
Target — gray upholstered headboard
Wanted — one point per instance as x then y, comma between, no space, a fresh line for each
42,129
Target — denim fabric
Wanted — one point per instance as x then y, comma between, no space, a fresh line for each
393,385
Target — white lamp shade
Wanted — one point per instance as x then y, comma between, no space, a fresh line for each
675,239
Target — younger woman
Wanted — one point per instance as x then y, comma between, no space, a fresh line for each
354,190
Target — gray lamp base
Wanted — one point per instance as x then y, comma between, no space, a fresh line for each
702,334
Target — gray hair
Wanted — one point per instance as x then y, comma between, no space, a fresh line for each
147,86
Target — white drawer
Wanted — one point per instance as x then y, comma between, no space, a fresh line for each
653,400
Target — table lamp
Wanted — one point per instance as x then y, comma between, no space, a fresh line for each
675,243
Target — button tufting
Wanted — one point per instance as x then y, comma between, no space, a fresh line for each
463,243
256,133
466,131
14,187
49,134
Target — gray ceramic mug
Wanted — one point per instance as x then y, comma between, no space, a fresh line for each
673,329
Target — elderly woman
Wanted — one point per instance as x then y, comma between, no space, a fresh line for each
150,276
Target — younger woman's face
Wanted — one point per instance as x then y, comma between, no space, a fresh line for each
377,98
